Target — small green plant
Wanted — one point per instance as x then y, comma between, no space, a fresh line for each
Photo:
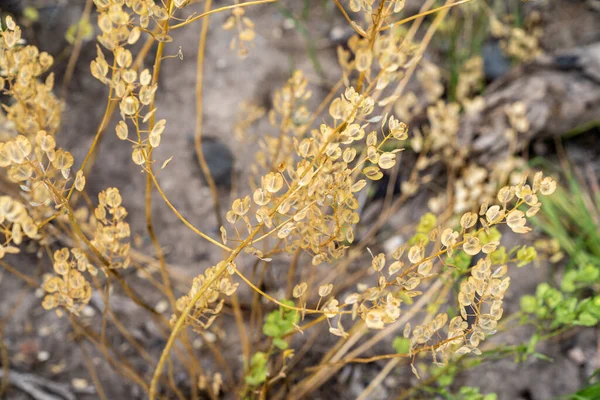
561,309
471,393
257,374
83,28
280,323
570,219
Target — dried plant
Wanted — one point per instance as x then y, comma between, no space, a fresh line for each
304,201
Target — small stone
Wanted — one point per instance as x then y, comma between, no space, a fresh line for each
495,64
43,356
79,383
219,159
337,33
210,337
289,23
577,356
88,311
161,307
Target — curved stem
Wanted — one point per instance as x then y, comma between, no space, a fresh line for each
182,218
216,10
182,318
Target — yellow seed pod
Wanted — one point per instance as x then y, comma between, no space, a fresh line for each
372,154
79,181
229,23
159,127
468,220
53,284
122,130
47,142
24,145
63,160
10,23
100,213
113,197
61,267
373,173
325,290
349,154
29,227
14,152
425,268
547,186
154,140
336,109
5,159
17,233
472,246
398,5
493,213
120,89
20,173
123,57
387,160
145,77
129,105
358,185
134,35
490,247
395,267
304,149
76,279
261,197
364,58
378,262
104,22
241,206
129,76
285,230
306,176
263,217
299,290
273,182
416,254
138,156
147,94
506,194
247,35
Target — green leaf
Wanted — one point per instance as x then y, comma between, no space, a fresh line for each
401,345
499,256
87,30
280,343
528,304
31,14
460,260
525,255
426,223
493,236
271,330
586,319
258,369
553,298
